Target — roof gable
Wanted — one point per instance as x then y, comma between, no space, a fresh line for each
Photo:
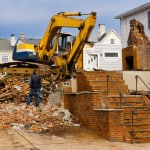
98,39
108,33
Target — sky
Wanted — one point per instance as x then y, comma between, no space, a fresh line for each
32,16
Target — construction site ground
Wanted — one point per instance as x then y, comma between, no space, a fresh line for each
48,127
70,138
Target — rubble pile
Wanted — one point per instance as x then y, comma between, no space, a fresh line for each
16,89
43,118
16,114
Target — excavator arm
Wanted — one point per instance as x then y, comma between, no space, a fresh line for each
57,22
85,28
81,39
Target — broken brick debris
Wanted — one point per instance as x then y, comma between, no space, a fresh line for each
35,119
16,114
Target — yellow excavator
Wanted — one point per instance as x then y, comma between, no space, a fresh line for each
57,52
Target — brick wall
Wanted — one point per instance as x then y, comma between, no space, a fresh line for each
140,57
87,107
109,114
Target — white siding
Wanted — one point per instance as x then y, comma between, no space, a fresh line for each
102,54
109,63
99,59
125,25
6,54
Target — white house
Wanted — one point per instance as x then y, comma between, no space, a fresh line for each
6,49
142,14
106,53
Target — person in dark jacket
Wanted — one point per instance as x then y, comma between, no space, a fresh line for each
35,86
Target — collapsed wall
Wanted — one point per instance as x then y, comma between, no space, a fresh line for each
136,55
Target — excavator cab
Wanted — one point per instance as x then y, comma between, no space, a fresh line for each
64,43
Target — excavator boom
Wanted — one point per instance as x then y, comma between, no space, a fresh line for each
65,20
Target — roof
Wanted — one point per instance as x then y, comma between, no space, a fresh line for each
97,38
31,41
133,11
5,44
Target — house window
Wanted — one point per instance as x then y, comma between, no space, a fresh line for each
4,59
111,54
112,41
149,20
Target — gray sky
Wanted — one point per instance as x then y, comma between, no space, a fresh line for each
32,16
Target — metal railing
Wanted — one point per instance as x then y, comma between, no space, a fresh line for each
109,78
138,77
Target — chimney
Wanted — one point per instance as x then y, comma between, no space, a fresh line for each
22,36
12,40
101,29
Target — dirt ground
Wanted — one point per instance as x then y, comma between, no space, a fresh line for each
71,138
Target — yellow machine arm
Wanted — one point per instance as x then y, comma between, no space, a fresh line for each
57,22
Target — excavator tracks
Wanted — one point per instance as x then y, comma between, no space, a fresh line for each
24,68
